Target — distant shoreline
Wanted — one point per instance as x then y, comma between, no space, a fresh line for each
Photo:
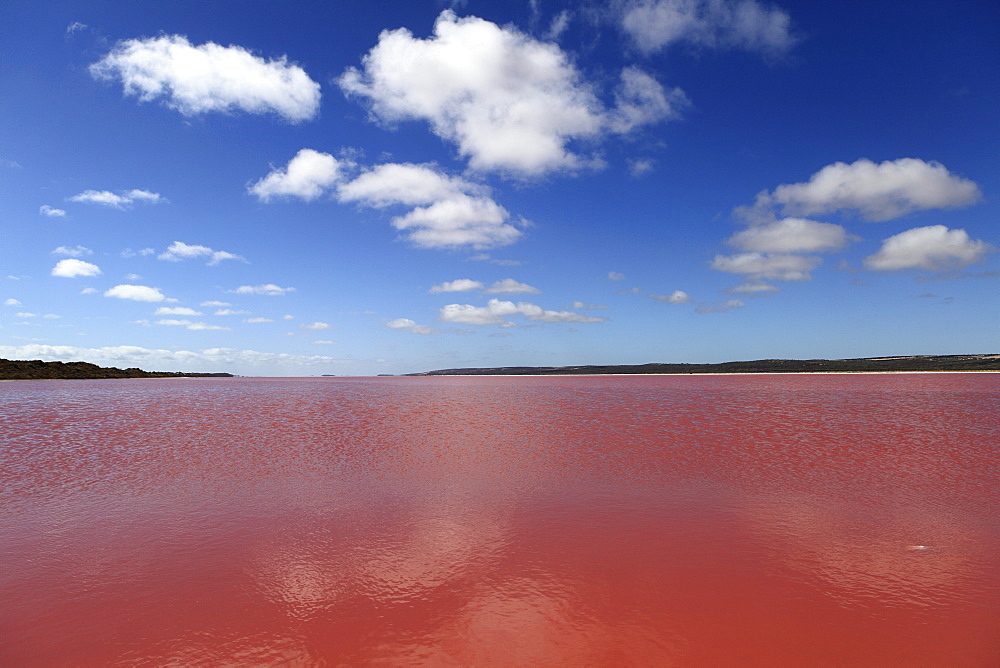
40,370
692,373
901,364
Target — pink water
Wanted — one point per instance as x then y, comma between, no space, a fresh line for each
691,521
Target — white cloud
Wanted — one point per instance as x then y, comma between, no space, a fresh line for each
559,24
176,310
641,100
179,250
675,297
640,167
410,326
511,103
255,321
144,196
142,252
323,342
78,251
762,266
105,197
878,191
215,303
753,289
449,211
88,291
228,311
307,176
12,302
26,315
72,268
138,293
315,326
719,307
791,235
187,324
719,24
76,26
509,286
616,276
288,317
51,212
495,311
458,285
267,289
585,306
934,248
121,200
199,79
485,257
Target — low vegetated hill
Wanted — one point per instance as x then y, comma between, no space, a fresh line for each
39,370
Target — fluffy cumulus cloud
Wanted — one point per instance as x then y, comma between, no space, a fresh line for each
496,311
934,248
410,326
209,78
447,211
719,24
138,293
764,266
307,176
675,297
73,268
77,251
10,301
193,326
458,285
120,200
791,235
269,289
511,103
179,250
176,310
509,286
877,191
640,100
51,212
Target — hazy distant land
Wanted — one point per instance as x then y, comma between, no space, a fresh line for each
863,364
39,370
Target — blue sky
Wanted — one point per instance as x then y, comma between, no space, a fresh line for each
361,188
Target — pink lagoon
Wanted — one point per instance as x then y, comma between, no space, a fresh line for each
641,520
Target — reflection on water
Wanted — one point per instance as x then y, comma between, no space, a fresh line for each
698,520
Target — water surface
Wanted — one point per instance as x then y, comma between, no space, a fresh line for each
650,520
